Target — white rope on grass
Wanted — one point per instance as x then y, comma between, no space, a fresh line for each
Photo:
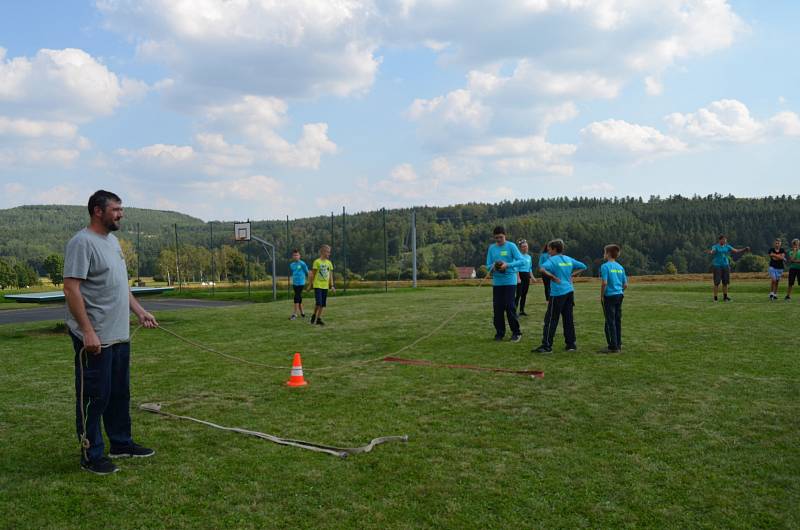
341,452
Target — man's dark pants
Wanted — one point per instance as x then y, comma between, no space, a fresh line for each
503,301
559,307
106,395
612,308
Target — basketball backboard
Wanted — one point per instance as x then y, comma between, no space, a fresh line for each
241,231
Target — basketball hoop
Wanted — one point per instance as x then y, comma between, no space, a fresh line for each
241,231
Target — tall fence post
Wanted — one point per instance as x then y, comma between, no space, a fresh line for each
385,256
177,260
288,262
414,247
344,247
213,256
138,253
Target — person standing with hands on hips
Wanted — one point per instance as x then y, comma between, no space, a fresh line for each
99,302
502,259
560,269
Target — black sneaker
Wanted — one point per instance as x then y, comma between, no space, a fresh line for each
293,317
715,299
608,350
572,347
101,466
523,314
542,349
313,319
320,322
726,299
787,298
132,451
516,338
498,338
302,315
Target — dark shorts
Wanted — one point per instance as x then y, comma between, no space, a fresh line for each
321,296
723,275
298,293
794,275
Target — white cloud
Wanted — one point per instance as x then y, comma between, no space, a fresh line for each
457,108
302,48
620,138
67,84
257,196
531,81
440,182
13,188
57,195
785,123
160,153
24,128
726,120
653,86
729,120
535,55
527,154
222,154
597,188
255,119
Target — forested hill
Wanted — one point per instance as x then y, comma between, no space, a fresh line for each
30,233
654,233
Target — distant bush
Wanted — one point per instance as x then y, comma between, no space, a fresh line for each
752,263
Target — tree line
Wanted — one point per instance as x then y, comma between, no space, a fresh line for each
658,235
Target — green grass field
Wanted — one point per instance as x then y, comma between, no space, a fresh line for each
696,424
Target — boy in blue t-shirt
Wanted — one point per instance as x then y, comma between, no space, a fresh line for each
299,271
721,265
501,260
612,291
560,269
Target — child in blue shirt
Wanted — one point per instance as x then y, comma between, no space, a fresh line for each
721,265
612,290
560,269
524,278
501,260
299,271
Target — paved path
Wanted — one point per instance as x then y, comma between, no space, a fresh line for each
56,311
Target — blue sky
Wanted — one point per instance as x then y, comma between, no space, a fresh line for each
261,109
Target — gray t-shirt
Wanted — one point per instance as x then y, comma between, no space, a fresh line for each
99,262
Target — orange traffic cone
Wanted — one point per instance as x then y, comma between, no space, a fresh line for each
297,379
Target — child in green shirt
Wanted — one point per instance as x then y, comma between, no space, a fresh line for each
322,281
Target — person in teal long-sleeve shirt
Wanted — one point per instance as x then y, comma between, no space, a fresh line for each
502,259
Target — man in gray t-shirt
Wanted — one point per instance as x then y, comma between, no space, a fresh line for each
99,302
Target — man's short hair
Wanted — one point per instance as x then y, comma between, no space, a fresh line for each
721,237
325,247
100,199
295,251
499,230
612,250
557,245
